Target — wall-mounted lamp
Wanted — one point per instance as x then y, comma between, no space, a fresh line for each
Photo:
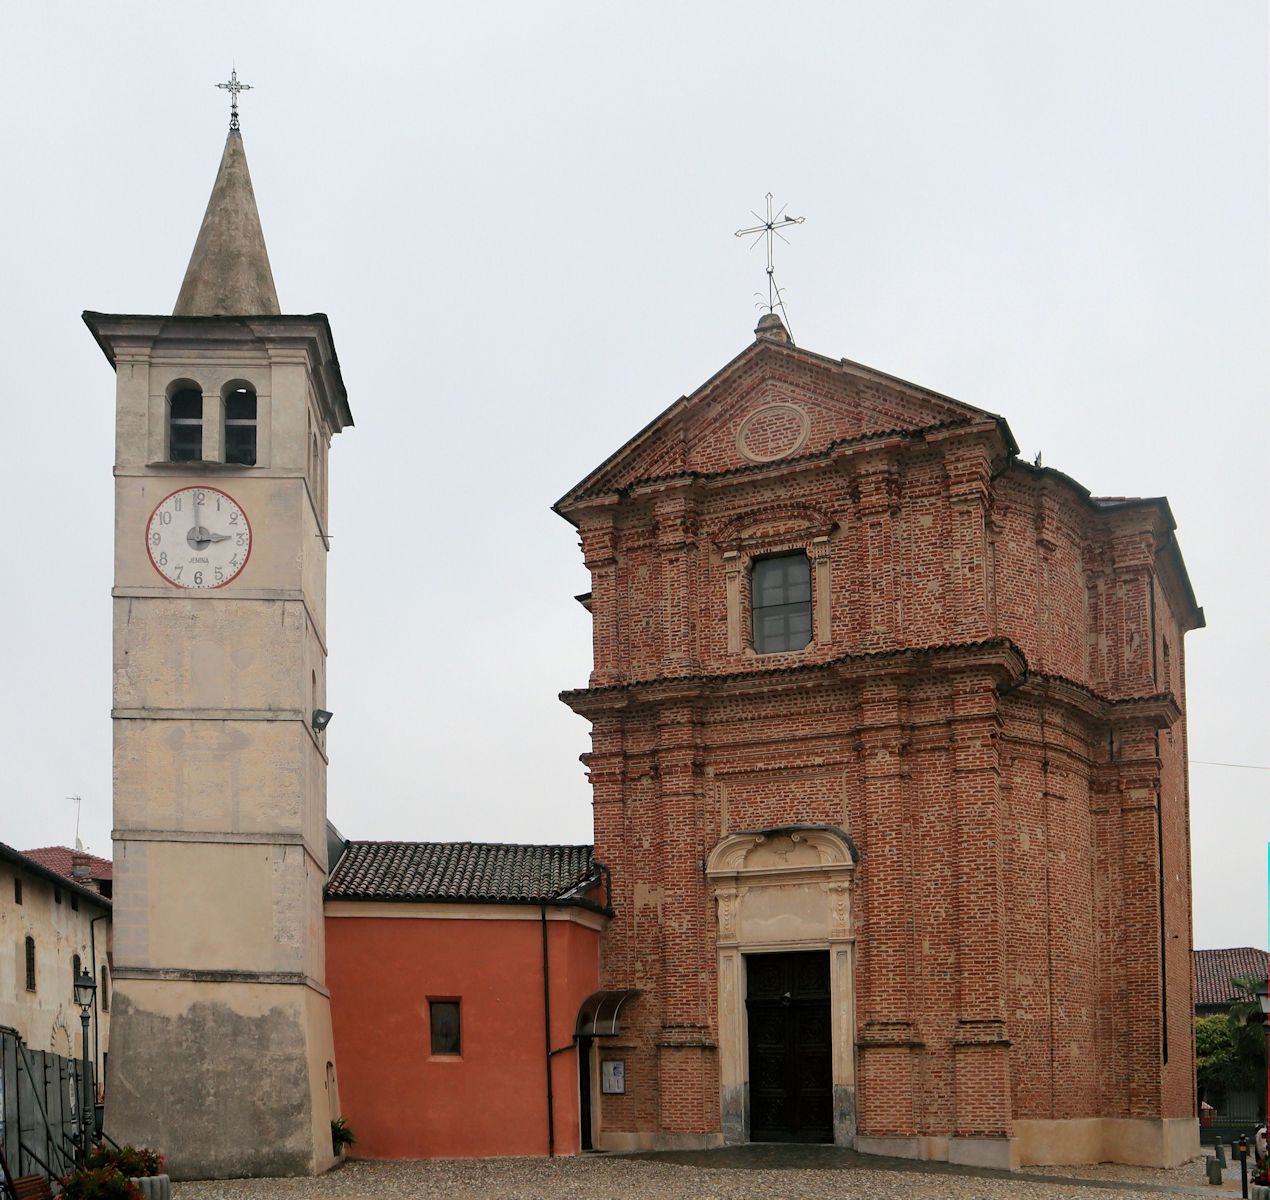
321,719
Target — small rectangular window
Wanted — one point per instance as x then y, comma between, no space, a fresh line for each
104,989
30,964
240,427
780,600
57,895
77,965
445,1026
74,902
17,890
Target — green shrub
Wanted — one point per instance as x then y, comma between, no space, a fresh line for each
341,1135
132,1161
99,1183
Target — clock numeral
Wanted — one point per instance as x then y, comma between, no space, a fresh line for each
241,539
176,503
178,572
218,503
233,562
233,518
155,539
220,575
200,497
163,560
165,518
198,578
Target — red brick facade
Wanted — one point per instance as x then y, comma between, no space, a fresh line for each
991,707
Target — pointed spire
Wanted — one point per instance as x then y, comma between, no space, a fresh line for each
229,271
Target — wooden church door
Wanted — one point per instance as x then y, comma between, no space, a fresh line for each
791,1069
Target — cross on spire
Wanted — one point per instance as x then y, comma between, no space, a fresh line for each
770,227
233,87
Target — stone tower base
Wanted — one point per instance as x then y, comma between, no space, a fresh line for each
227,1079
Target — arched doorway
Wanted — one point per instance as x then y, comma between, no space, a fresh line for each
786,962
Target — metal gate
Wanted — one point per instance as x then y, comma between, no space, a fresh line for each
40,1098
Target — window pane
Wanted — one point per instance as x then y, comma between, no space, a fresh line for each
240,406
768,581
240,445
445,1026
799,628
798,586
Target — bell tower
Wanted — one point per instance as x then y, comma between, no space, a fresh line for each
221,1052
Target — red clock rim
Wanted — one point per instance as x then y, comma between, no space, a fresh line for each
193,487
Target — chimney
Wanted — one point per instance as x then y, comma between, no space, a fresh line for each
82,870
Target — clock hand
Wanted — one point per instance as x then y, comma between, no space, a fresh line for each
219,537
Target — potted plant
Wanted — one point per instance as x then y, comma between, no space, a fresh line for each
99,1183
142,1166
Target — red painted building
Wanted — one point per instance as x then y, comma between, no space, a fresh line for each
454,968
889,766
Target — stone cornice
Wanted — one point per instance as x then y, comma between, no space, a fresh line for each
1158,711
998,657
135,337
837,454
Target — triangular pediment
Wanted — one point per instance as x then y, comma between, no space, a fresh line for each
771,403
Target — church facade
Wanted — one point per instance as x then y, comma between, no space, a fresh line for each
889,767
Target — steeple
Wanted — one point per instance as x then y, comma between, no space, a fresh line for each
229,271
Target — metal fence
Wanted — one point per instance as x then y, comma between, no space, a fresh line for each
40,1098
1235,1113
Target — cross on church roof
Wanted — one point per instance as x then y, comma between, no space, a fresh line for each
770,227
233,87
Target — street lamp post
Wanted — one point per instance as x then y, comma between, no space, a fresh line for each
85,990
1262,992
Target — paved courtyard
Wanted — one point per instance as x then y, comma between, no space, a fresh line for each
741,1173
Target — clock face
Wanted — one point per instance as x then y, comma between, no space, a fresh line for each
198,537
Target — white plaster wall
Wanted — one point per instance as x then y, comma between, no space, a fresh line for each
48,1015
218,906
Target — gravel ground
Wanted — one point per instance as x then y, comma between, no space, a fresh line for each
620,1178
1188,1175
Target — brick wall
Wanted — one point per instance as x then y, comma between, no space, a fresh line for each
984,706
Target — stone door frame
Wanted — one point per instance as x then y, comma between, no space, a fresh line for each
782,889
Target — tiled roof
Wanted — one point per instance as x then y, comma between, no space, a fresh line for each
1214,969
33,865
481,872
61,860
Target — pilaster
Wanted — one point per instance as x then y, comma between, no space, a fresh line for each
980,1043
969,483
675,517
599,551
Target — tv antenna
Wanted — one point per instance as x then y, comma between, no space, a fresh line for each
79,803
770,227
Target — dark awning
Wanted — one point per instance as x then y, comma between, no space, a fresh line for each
598,1016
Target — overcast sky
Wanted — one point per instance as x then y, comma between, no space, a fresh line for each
519,218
